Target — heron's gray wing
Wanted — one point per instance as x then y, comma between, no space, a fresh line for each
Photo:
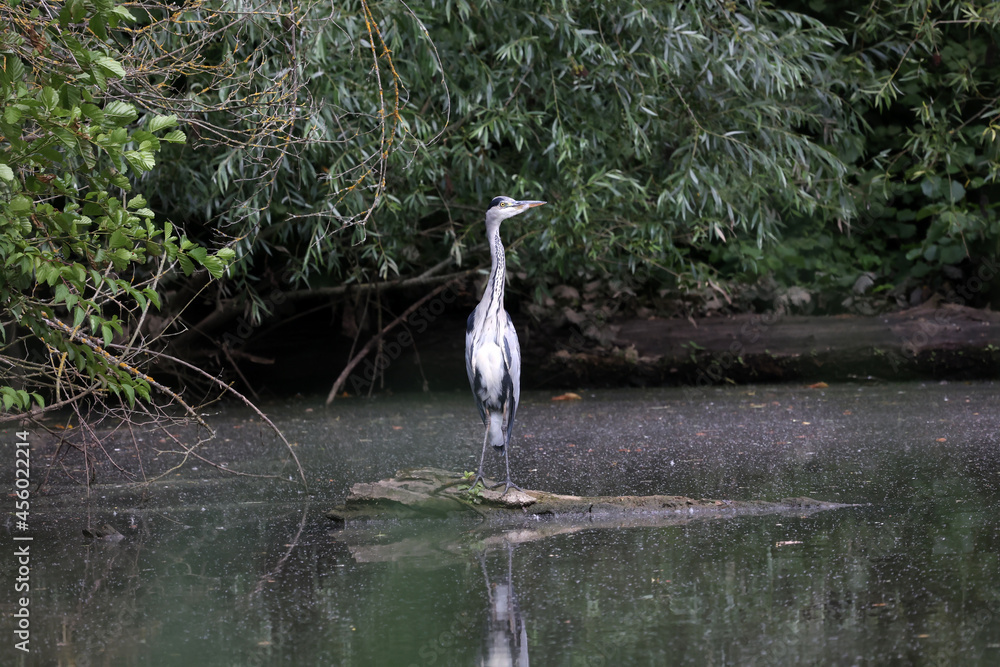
468,364
512,357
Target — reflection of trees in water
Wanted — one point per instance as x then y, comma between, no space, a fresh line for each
108,591
88,613
124,600
505,642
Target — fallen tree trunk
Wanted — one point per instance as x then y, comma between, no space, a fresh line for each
938,340
431,492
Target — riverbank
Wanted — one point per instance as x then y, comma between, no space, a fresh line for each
932,341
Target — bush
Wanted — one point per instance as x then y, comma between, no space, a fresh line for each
82,256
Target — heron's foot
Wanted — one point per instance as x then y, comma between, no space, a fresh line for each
507,486
477,481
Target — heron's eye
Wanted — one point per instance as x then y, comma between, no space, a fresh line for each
502,204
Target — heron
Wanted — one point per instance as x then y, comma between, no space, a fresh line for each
492,353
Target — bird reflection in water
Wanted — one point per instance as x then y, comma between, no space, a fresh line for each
505,643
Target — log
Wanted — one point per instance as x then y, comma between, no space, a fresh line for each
939,340
931,326
435,493
393,520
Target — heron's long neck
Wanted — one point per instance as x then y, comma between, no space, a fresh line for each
493,296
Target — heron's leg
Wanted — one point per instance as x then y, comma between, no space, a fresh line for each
507,484
479,474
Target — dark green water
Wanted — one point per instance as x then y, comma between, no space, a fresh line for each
221,570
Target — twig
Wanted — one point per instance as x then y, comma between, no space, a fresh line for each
375,339
247,402
424,279
281,561
36,412
117,362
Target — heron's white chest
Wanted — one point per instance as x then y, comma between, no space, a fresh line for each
488,363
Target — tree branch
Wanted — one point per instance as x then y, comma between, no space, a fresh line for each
377,337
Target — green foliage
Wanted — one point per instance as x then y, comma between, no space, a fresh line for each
925,170
662,128
652,129
799,141
80,258
674,141
475,492
938,157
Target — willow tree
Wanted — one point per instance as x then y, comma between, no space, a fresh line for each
923,168
358,141
335,144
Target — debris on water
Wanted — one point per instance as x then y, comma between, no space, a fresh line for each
106,533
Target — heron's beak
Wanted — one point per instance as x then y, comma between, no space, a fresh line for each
529,204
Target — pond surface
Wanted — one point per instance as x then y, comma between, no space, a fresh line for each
217,569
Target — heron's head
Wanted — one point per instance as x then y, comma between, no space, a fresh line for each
502,208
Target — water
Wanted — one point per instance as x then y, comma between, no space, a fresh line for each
223,570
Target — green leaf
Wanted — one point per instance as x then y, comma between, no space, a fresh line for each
99,79
140,160
110,66
130,393
153,297
197,253
66,138
120,113
214,266
952,254
49,98
99,24
77,10
119,240
20,204
123,13
158,123
957,191
174,137
6,173
187,266
93,112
